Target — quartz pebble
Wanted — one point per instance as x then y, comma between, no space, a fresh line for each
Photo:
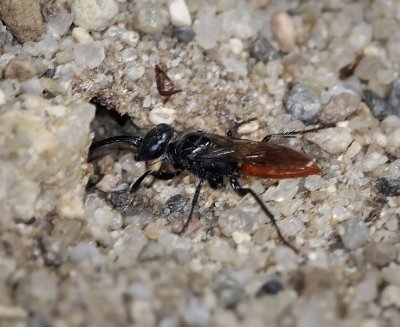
134,72
152,251
81,35
339,108
391,296
283,30
179,12
380,254
354,233
391,274
301,103
206,29
94,15
333,140
89,55
151,19
60,23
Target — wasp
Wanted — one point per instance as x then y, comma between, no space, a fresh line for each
216,159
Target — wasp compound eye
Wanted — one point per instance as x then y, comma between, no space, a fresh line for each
155,142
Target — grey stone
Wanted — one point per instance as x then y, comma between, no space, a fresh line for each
183,34
393,100
388,186
302,103
379,108
354,233
263,50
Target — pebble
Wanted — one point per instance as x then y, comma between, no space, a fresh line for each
301,103
271,287
196,316
263,50
183,34
372,161
339,108
134,72
60,23
207,28
286,190
333,140
380,254
5,36
81,35
89,55
152,251
240,237
283,31
94,15
151,19
245,218
367,68
391,274
22,18
175,203
162,115
20,69
366,291
391,296
393,100
179,12
354,233
388,186
390,124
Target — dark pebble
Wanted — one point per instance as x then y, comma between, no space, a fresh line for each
263,50
175,203
393,100
376,104
388,186
183,34
271,287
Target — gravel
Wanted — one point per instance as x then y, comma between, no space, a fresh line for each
78,249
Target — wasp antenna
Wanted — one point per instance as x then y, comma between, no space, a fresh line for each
127,139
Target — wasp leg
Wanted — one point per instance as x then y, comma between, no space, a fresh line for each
233,130
216,182
292,134
244,191
194,202
162,175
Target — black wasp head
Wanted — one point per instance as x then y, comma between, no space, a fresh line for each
155,142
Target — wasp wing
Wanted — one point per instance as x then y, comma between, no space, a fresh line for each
264,160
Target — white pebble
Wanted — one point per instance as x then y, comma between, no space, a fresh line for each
94,15
240,237
162,115
372,161
179,12
333,140
391,296
283,31
81,35
391,274
236,45
394,140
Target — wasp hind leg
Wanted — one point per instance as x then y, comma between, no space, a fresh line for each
244,191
